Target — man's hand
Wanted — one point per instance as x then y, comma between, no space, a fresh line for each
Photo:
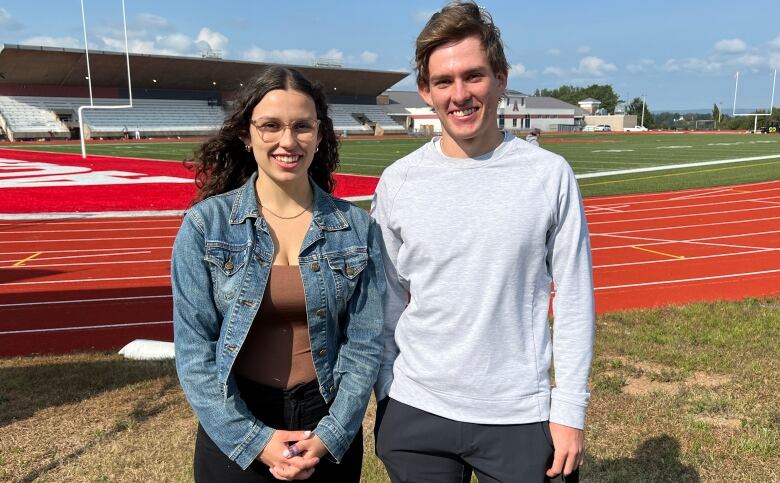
297,468
568,444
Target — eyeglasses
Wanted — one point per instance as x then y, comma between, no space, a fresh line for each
271,130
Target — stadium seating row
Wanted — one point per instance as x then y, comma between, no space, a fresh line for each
26,117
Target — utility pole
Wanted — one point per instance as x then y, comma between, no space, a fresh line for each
643,111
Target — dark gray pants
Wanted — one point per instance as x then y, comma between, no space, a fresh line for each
417,446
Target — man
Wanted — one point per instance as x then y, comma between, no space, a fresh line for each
477,224
533,136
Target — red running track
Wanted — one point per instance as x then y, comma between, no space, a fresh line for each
100,283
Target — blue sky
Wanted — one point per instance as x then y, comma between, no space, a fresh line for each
680,54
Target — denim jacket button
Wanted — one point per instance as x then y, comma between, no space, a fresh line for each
229,264
320,313
315,267
323,352
331,389
349,271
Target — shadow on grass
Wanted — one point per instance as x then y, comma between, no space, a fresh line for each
656,460
145,409
31,388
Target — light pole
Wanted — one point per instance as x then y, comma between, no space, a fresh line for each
643,111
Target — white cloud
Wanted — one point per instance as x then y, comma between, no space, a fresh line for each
423,16
368,57
7,22
730,45
333,54
152,21
583,49
519,70
692,64
179,43
750,60
46,41
775,43
593,66
215,40
554,52
641,66
285,56
556,71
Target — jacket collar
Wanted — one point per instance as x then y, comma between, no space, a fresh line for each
325,213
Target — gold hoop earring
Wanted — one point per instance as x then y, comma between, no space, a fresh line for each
248,148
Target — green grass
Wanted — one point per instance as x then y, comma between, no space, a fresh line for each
679,394
587,153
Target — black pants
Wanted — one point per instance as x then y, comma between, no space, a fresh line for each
417,446
299,408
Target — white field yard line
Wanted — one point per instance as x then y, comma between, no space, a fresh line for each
87,301
84,327
675,166
686,280
679,260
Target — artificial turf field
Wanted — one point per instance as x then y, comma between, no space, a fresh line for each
586,152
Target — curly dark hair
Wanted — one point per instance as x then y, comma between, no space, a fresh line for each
222,163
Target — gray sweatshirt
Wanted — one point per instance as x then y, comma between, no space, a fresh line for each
472,247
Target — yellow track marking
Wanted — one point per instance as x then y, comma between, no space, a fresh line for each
658,253
22,262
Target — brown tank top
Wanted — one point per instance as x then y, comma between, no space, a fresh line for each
277,350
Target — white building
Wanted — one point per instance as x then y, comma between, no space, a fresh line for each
516,111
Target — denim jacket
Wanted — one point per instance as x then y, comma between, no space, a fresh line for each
222,257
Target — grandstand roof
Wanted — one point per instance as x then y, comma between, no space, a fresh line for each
54,66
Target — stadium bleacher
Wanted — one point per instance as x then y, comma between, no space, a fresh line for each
35,117
358,118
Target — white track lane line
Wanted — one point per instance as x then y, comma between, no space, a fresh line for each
90,264
630,211
89,215
86,301
122,221
694,241
100,250
84,327
686,259
675,227
90,239
686,280
71,230
687,215
697,196
639,196
85,280
72,257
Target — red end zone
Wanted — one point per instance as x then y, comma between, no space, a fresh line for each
38,182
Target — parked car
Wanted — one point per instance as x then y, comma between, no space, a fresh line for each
635,129
596,128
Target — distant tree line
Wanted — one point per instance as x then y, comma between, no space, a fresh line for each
661,120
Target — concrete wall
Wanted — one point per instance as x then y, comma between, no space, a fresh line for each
616,122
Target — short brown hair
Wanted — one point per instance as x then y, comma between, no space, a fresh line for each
455,22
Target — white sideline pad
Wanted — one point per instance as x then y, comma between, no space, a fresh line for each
148,350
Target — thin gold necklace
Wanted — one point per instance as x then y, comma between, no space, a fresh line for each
262,207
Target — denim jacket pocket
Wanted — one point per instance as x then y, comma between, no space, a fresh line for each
346,268
226,261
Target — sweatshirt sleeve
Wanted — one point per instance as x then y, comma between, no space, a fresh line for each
397,291
569,258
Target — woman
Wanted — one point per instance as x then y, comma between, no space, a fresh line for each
277,290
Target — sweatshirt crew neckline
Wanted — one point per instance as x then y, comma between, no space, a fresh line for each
436,157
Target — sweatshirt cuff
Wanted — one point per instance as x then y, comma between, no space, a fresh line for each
565,411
